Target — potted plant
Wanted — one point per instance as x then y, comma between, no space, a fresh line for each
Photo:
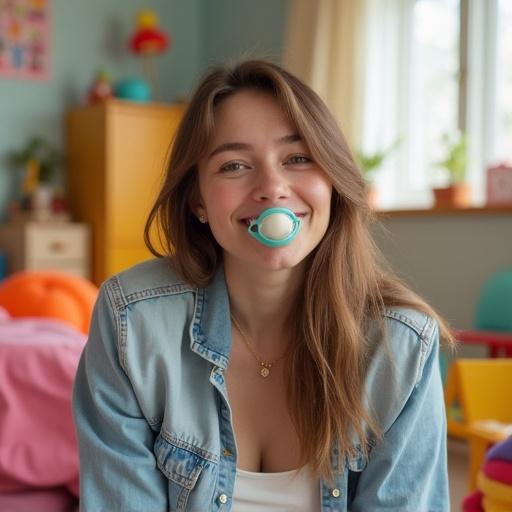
370,163
457,193
41,163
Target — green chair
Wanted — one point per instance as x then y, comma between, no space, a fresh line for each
493,319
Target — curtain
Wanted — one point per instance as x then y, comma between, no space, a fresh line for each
355,55
325,47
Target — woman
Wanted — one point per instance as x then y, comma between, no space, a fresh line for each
233,375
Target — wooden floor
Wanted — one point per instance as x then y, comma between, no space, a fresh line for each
458,464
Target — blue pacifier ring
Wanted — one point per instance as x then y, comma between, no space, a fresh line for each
254,227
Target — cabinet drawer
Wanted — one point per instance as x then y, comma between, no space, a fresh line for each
56,243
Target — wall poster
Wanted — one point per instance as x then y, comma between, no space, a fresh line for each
25,27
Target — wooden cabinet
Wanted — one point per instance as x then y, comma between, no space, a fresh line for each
34,245
117,155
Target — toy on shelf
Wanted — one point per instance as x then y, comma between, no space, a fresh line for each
147,41
101,89
134,89
499,184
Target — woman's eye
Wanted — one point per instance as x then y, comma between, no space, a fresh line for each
233,166
298,159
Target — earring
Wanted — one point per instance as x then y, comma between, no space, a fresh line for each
202,219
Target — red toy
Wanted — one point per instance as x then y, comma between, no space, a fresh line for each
100,90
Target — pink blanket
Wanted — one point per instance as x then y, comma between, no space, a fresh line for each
38,361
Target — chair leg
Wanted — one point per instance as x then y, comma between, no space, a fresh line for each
477,451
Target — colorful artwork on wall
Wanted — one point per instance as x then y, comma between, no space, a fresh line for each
25,39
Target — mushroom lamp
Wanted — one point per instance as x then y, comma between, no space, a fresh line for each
147,41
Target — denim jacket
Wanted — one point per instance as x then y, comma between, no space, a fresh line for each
154,422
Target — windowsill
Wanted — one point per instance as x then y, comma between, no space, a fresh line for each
432,212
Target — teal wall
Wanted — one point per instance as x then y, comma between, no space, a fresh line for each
91,34
243,28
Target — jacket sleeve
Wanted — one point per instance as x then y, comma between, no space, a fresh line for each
117,465
407,470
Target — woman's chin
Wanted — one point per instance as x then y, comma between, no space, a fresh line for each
278,264
269,259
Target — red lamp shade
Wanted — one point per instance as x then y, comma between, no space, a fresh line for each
149,41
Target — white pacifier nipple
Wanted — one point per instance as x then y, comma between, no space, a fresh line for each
276,226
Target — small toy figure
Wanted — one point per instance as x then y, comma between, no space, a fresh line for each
101,89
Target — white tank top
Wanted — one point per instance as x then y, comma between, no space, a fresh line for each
294,490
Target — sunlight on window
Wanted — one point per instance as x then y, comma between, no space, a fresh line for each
504,83
434,103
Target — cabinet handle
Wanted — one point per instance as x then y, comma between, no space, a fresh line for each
57,246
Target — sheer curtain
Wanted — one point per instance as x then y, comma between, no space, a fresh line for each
352,54
325,47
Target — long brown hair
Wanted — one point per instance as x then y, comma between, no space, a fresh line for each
347,284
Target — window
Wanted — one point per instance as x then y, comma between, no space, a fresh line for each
503,143
435,67
433,104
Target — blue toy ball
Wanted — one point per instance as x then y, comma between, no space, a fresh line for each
134,89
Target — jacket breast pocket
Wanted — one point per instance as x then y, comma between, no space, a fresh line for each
182,467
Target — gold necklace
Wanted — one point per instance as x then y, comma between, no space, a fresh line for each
264,365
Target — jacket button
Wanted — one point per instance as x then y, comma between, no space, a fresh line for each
336,493
223,499
226,453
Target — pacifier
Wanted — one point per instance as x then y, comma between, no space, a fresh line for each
275,227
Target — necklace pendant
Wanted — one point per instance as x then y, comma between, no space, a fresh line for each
265,371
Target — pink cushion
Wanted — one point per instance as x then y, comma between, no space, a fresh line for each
38,361
47,500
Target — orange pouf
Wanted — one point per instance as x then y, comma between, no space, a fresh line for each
49,294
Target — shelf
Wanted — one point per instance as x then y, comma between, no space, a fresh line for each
435,212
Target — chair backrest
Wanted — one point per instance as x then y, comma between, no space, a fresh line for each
494,309
484,388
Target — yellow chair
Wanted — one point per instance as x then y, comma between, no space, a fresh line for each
478,398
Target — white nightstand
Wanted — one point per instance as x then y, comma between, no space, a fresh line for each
63,246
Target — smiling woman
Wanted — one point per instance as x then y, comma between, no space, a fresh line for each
253,166
231,374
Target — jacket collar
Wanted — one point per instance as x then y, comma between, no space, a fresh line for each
211,324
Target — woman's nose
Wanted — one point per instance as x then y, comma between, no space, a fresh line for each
271,184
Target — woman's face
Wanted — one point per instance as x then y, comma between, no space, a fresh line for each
257,161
